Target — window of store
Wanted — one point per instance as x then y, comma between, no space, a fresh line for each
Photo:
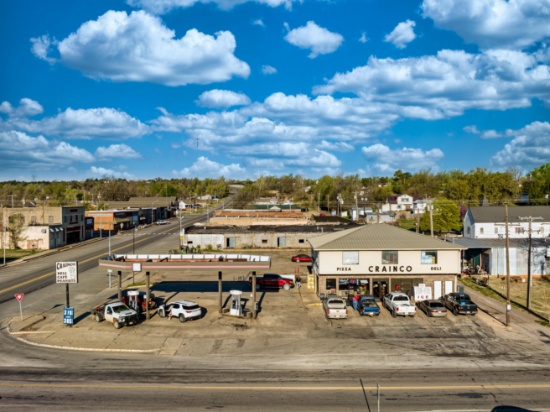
429,257
389,257
330,284
350,258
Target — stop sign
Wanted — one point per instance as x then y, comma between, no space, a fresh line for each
19,296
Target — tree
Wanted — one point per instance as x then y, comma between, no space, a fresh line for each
15,228
446,216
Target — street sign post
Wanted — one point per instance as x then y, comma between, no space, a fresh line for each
19,297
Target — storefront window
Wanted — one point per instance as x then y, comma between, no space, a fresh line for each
389,257
331,284
350,258
429,257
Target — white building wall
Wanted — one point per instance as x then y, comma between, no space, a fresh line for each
370,262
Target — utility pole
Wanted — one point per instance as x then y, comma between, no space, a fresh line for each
356,208
431,220
529,279
508,305
507,229
319,202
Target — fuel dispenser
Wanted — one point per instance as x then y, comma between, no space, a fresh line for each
133,301
236,306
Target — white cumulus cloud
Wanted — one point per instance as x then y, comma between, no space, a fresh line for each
222,98
515,24
529,147
103,123
384,160
164,6
117,151
402,35
266,69
20,151
103,172
139,48
318,39
208,168
447,84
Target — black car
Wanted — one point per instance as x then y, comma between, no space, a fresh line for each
459,303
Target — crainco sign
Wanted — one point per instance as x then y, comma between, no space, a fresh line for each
380,269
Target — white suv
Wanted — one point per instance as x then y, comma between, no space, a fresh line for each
182,309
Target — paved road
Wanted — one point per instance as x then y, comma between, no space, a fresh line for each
291,357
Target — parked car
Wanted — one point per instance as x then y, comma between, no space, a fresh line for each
162,222
273,280
432,308
184,310
301,258
459,303
335,307
367,306
399,304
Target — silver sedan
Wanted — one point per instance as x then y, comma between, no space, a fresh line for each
432,308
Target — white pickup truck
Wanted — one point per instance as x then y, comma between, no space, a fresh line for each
117,313
335,307
398,304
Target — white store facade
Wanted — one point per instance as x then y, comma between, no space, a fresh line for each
379,259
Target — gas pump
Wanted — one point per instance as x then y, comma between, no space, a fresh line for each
236,306
133,300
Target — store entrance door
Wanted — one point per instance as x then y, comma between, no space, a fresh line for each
380,287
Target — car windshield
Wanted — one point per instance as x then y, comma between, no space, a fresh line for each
368,303
120,308
436,305
401,298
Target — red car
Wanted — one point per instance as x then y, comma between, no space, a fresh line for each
301,258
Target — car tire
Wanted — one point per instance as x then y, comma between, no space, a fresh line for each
455,311
394,314
97,318
182,318
116,324
286,286
162,313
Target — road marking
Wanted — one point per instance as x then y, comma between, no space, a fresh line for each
275,387
53,272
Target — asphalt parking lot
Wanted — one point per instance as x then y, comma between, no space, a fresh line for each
291,328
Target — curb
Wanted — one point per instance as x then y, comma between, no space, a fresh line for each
72,348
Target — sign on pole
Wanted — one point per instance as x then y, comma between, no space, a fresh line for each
19,297
66,272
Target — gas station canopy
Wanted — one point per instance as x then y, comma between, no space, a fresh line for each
217,261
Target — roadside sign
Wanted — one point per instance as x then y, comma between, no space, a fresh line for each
68,316
66,272
19,297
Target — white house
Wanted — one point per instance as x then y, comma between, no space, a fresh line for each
485,238
397,203
489,222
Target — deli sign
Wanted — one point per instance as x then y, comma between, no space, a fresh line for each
66,272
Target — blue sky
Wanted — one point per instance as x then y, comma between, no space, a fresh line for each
140,89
